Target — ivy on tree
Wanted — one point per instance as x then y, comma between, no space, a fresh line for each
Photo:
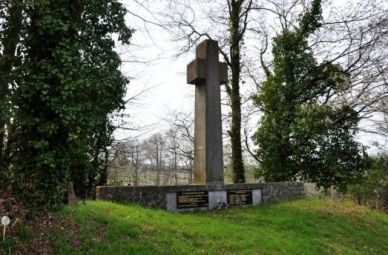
301,136
10,28
68,84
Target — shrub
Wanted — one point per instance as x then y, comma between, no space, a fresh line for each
372,190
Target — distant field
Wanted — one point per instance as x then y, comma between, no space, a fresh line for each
295,227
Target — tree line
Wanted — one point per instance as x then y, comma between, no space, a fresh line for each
164,158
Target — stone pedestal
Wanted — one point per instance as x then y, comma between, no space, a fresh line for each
203,197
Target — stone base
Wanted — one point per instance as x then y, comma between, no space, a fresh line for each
203,197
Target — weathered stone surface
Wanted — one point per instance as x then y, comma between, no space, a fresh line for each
257,197
171,204
159,196
207,73
216,197
196,72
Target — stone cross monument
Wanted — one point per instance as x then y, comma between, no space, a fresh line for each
207,74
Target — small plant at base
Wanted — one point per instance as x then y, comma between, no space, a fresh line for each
5,221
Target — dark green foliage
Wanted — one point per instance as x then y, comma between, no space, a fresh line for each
372,190
91,168
10,26
301,136
68,84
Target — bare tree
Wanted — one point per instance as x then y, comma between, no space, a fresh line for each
155,150
183,125
136,158
231,18
182,133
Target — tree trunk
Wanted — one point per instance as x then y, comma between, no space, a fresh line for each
71,198
234,93
9,42
136,177
103,181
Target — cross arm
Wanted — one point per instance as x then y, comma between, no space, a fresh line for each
196,72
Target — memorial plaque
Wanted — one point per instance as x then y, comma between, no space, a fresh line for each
192,199
240,197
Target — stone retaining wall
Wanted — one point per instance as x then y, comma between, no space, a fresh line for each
156,196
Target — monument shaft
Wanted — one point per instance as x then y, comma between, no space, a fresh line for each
207,73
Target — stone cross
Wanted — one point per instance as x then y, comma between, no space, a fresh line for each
207,73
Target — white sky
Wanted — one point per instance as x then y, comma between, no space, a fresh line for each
157,72
162,76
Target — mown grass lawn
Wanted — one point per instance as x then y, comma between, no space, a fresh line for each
294,227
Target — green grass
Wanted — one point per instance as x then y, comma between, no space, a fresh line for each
295,227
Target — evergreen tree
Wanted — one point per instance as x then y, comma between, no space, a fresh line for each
68,83
301,136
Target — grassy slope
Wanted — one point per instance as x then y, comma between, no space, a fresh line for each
296,227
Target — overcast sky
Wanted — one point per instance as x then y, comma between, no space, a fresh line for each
152,63
156,73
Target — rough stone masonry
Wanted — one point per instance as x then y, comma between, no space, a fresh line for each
159,196
207,74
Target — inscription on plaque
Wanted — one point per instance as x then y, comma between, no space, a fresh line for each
192,199
240,197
